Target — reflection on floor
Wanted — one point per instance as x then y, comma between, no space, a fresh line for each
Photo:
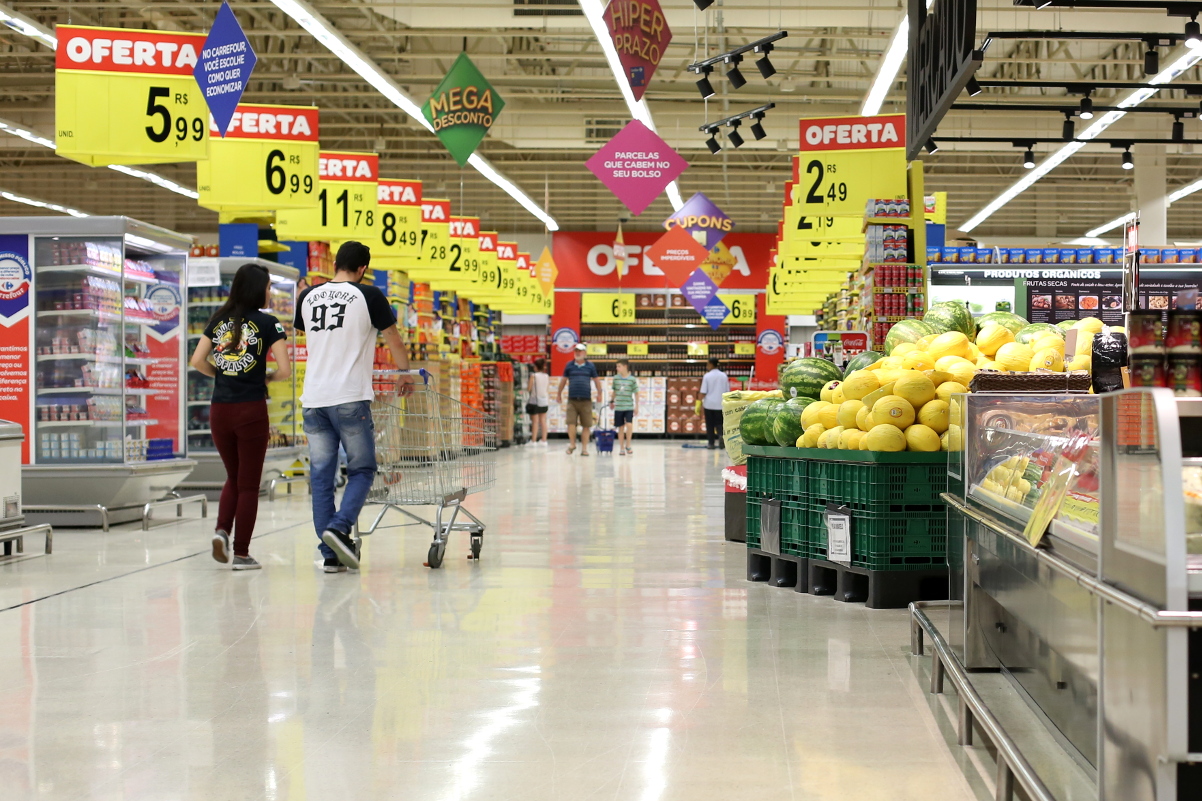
606,646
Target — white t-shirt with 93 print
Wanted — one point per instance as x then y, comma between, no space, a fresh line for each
340,320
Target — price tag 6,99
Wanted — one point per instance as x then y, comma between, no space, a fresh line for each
126,96
607,307
347,201
267,161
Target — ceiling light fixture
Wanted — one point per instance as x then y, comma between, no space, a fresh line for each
886,73
1151,61
42,204
734,137
1069,130
734,74
28,27
733,121
703,84
1029,159
702,5
732,58
932,146
1086,110
764,63
973,88
1193,34
1128,160
594,11
305,16
757,127
1178,130
712,143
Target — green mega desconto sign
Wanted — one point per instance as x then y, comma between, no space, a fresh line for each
462,109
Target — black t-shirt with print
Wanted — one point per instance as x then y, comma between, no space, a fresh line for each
242,373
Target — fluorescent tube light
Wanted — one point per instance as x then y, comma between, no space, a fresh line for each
891,63
354,58
594,12
1171,198
24,25
42,204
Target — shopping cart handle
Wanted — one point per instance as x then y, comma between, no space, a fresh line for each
425,374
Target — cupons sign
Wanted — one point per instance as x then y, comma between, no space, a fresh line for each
462,109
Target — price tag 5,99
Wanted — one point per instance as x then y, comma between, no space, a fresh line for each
126,96
267,161
347,201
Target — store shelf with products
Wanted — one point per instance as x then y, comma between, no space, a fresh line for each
285,435
104,394
1119,562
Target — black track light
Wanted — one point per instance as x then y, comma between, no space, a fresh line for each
734,75
1128,160
734,137
1029,159
932,146
703,84
1069,130
973,87
757,127
1151,61
1193,34
702,5
763,64
1086,110
1178,130
712,142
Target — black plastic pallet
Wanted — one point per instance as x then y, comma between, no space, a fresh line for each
877,589
778,570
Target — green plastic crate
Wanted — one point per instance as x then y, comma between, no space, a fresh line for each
753,521
770,477
860,484
887,541
794,528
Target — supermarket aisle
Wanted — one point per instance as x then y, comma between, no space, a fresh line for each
606,647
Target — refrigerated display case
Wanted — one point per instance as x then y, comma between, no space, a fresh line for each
209,282
91,351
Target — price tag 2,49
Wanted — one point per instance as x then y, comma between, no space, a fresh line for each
126,96
347,201
267,161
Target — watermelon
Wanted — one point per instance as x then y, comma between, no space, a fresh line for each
786,424
951,315
806,377
1065,326
1004,319
1028,334
861,361
910,330
755,427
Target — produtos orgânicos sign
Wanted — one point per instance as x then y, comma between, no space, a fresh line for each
462,109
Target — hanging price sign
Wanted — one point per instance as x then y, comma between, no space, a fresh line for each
496,272
529,296
742,308
267,161
698,349
637,349
485,288
744,348
607,307
463,269
128,96
347,203
399,243
435,242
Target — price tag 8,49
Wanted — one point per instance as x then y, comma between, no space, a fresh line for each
347,201
126,96
267,161
400,235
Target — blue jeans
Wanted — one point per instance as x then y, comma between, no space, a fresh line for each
349,425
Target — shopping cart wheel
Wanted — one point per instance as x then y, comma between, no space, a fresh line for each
434,557
477,544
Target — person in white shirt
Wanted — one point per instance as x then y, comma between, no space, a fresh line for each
340,320
539,391
713,387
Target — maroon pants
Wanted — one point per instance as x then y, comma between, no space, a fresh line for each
240,432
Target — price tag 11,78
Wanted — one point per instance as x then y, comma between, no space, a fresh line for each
347,201
126,96
267,161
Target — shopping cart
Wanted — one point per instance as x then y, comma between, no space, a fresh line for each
431,450
604,436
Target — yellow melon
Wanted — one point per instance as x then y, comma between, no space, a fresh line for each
864,419
890,363
892,410
828,391
864,441
889,376
848,409
1091,324
837,396
945,390
874,366
918,360
902,349
845,438
887,438
915,387
831,438
809,415
952,439
859,384
922,438
828,415
1118,329
925,342
974,352
953,343
955,412
935,415
1083,361
1049,341
1015,356
992,337
810,438
992,365
945,364
1047,359
963,373
854,438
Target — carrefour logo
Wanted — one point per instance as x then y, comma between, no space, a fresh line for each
15,276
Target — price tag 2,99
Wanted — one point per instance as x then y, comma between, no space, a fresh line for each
267,161
126,96
347,201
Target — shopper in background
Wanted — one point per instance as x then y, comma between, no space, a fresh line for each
580,376
233,352
539,393
341,319
625,404
713,387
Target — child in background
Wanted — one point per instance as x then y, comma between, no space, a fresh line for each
625,404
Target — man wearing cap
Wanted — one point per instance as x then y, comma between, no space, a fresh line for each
577,376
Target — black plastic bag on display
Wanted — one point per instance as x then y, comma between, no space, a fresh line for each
1109,359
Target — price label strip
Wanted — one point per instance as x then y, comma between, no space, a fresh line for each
607,307
124,96
347,202
398,246
267,161
435,242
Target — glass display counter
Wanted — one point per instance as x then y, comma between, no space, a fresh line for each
208,289
91,342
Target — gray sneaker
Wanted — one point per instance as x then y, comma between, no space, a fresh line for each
332,565
246,563
221,546
344,547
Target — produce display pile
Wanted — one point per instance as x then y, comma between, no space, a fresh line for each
904,399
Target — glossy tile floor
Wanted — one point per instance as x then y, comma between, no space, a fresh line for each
606,647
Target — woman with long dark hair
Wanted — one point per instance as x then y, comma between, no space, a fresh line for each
234,350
